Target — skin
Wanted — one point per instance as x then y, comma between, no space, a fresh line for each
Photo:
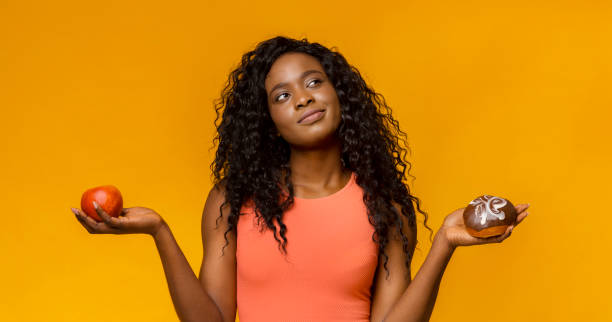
316,172
316,169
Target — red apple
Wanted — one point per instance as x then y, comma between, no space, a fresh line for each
107,197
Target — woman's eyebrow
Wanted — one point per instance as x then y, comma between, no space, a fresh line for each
304,74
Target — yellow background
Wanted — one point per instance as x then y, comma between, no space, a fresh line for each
509,98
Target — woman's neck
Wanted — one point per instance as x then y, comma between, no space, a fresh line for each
317,171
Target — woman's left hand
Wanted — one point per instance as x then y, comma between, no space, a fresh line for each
453,229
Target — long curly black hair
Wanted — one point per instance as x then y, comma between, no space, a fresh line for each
251,158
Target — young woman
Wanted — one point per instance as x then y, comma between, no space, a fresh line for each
309,218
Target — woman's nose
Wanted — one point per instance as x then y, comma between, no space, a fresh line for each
304,100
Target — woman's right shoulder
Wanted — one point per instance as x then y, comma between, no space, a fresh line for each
218,190
215,203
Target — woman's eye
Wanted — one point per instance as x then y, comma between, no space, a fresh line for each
278,97
314,81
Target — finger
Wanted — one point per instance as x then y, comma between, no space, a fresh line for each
88,222
110,221
84,217
507,233
520,218
521,208
82,221
96,227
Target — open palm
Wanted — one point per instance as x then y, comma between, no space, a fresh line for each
454,231
135,220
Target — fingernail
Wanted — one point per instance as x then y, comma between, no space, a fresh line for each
74,211
95,204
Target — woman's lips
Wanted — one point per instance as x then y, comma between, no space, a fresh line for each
312,117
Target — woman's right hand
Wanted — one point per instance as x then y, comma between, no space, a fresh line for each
135,220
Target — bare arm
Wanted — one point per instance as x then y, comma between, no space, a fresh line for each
413,305
418,300
212,297
389,288
218,271
190,300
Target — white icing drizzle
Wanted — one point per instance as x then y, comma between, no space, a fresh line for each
488,206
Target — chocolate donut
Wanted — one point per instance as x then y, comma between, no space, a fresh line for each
488,216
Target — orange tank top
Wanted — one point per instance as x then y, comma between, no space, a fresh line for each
329,268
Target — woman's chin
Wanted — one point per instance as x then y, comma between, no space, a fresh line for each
317,141
318,135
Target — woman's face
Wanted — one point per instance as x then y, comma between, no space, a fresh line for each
297,85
